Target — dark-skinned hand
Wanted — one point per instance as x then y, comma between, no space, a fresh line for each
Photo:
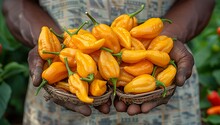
184,60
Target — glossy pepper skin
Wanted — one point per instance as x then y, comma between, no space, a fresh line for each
131,56
123,36
53,74
143,83
87,43
214,98
101,31
127,21
73,31
161,43
149,29
98,87
167,75
137,44
140,68
80,87
86,66
109,68
70,53
47,41
124,77
158,58
63,85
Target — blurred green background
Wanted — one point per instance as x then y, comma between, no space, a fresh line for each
14,70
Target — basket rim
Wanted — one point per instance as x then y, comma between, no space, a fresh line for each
121,93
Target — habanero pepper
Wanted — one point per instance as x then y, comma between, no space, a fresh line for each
143,83
167,75
63,85
101,31
139,68
127,21
98,87
86,66
137,44
47,41
214,98
162,43
109,68
124,77
145,42
66,52
123,36
80,87
149,29
158,58
53,74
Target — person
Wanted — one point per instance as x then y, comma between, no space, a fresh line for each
25,18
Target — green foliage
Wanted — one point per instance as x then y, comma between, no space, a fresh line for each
206,50
13,76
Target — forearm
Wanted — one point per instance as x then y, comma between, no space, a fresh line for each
189,18
25,18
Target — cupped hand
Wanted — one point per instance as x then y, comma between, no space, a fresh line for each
36,67
184,61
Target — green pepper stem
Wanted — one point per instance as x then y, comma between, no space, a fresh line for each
58,35
119,57
114,82
167,20
44,82
154,71
49,61
138,11
106,49
63,46
159,83
76,32
174,39
173,63
92,19
89,78
55,53
67,67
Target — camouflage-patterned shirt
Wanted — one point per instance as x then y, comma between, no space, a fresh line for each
183,107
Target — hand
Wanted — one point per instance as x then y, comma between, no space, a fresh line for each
184,60
36,65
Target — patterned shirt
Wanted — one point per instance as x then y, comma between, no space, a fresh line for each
182,108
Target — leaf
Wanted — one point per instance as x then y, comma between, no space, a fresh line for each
202,56
13,68
216,74
5,94
214,119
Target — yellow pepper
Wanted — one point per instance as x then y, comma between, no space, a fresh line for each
80,87
158,58
109,68
101,31
145,42
53,74
66,52
47,41
149,29
86,66
63,85
127,21
167,75
143,83
124,77
98,87
139,68
137,44
161,43
124,37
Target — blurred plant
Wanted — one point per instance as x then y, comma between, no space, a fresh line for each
206,50
13,76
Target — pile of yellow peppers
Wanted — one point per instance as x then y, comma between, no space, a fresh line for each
133,57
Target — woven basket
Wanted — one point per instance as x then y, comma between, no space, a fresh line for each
64,96
145,97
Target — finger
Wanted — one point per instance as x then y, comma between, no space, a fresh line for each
104,108
35,66
147,106
120,106
134,109
184,60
